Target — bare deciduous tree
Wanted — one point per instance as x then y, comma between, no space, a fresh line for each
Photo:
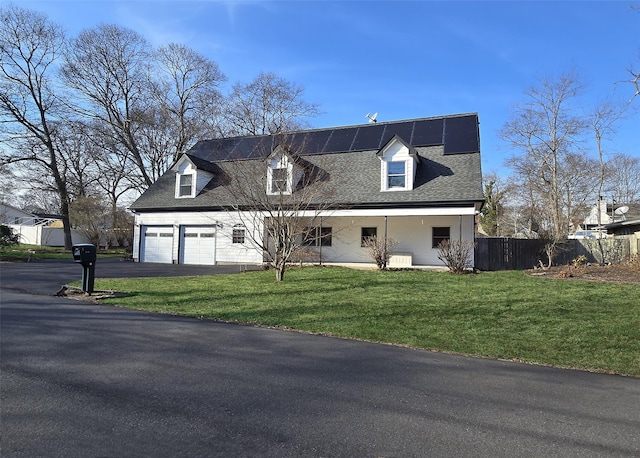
30,106
267,105
602,122
109,66
281,211
623,178
546,129
185,87
90,217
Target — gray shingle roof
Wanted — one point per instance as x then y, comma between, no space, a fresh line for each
449,172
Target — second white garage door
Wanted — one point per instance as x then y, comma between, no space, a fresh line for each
198,245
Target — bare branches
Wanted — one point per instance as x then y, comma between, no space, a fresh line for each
267,105
279,215
185,87
380,249
29,105
546,130
108,67
456,255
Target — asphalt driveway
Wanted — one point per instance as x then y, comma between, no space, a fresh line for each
80,379
47,276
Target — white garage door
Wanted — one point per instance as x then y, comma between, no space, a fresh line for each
157,244
198,245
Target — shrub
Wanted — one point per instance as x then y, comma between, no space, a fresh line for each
579,261
456,254
379,249
7,237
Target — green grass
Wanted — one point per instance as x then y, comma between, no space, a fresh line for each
24,252
587,325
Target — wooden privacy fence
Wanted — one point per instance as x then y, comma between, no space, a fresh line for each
498,253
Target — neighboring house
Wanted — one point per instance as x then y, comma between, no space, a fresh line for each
417,181
598,216
36,229
627,223
612,220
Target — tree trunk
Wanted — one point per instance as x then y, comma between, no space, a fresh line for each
66,225
280,271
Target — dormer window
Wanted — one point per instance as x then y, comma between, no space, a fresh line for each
280,181
191,179
185,187
396,174
398,165
279,174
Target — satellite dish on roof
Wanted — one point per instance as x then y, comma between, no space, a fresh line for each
621,210
372,117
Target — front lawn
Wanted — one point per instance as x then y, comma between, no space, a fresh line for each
28,253
567,323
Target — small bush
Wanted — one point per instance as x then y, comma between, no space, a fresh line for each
379,249
456,254
579,261
7,237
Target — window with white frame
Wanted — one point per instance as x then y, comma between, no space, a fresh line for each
279,175
185,185
396,174
238,234
280,180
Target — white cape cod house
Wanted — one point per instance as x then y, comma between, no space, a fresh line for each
416,181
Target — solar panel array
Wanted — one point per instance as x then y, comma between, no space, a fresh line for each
458,134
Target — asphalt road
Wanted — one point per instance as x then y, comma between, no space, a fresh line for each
98,381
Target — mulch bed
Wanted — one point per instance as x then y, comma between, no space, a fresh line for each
615,273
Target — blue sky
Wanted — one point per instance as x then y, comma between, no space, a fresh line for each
402,60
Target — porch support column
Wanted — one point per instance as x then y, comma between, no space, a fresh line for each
320,240
385,239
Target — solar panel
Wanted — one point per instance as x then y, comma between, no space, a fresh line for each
214,150
428,132
461,135
368,137
311,142
340,140
404,130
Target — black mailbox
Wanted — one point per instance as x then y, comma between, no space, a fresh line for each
86,254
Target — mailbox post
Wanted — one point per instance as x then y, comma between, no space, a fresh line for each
86,255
